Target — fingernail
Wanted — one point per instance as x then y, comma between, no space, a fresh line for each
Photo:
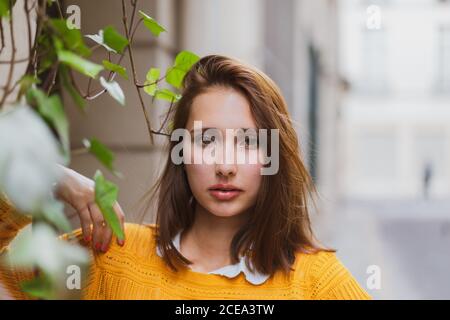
105,248
98,246
87,238
121,243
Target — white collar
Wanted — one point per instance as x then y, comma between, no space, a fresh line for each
229,271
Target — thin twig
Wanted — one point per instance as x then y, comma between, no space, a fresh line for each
167,117
59,9
51,78
143,85
15,61
133,66
27,15
2,35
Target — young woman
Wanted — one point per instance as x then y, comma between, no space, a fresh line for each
223,230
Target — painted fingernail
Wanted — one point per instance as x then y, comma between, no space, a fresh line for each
121,242
98,246
87,238
105,248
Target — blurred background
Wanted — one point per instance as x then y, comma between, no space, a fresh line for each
368,86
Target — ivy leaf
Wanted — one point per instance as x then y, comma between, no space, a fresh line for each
102,153
116,68
39,287
98,38
105,197
4,7
183,63
151,24
114,90
166,94
114,40
26,82
28,158
76,62
150,83
72,38
52,110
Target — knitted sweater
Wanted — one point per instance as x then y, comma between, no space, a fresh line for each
136,271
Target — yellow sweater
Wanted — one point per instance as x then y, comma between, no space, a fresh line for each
135,271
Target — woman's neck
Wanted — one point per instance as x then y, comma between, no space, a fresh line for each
207,242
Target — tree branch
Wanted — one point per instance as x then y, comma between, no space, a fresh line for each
133,67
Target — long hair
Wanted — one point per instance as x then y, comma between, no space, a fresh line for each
279,225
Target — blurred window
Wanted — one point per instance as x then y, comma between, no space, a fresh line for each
374,61
444,58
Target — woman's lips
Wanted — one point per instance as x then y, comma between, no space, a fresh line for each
224,194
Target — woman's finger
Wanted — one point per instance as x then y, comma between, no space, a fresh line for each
106,238
98,226
121,217
85,221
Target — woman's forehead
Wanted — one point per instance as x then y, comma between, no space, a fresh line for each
221,108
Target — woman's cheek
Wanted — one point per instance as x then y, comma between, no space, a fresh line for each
197,177
251,176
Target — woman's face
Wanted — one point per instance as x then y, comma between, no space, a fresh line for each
220,109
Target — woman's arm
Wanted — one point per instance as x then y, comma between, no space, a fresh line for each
79,192
73,189
11,222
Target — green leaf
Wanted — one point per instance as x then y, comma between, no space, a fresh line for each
71,38
101,152
166,94
4,7
106,197
114,40
52,110
115,68
150,83
26,82
39,287
83,66
114,90
98,38
151,24
79,101
183,63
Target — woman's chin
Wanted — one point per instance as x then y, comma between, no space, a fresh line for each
225,212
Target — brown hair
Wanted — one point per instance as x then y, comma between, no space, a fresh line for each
279,225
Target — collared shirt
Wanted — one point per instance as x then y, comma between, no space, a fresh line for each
231,270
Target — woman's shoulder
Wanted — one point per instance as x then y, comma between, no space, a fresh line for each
141,231
326,276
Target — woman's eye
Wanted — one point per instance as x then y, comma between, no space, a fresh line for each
251,142
207,140
204,140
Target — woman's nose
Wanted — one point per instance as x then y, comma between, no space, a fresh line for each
226,169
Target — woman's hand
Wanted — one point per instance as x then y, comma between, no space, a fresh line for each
79,191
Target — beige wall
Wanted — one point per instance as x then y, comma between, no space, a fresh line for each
123,129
